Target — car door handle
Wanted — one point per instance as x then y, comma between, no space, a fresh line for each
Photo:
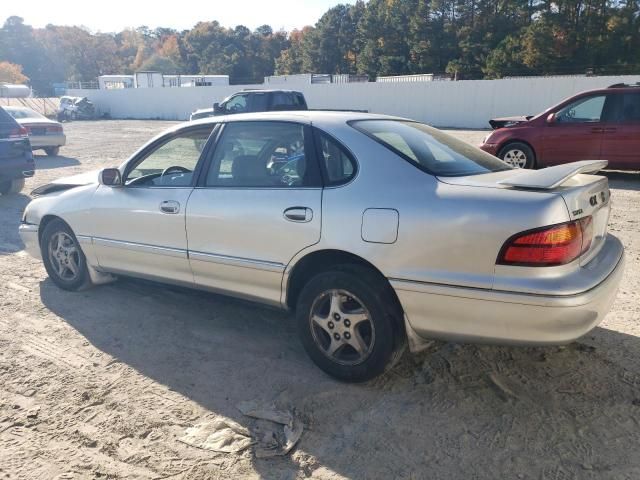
298,214
597,130
169,206
610,130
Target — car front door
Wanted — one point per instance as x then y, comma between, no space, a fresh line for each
139,227
577,132
258,204
621,140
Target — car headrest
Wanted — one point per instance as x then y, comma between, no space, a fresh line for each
247,167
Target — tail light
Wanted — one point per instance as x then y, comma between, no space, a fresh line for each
548,246
18,132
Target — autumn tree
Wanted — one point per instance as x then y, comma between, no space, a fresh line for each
12,73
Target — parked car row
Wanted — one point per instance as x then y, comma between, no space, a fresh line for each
22,130
16,159
44,133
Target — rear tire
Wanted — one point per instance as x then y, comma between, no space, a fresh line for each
52,151
63,258
349,323
11,186
518,155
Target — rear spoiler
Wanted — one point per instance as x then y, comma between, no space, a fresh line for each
552,177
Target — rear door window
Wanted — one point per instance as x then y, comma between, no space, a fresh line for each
263,155
338,164
259,102
631,108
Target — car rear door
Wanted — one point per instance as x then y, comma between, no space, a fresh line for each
621,139
139,228
577,132
257,206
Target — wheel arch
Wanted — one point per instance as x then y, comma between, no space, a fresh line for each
320,261
46,220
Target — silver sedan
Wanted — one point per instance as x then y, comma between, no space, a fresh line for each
376,231
44,133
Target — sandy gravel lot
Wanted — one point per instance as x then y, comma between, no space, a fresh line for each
103,383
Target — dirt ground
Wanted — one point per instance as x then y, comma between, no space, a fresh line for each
103,383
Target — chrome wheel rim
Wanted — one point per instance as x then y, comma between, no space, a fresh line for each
64,256
516,158
341,327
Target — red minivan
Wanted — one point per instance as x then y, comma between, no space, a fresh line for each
595,125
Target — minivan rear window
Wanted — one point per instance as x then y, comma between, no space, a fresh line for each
429,149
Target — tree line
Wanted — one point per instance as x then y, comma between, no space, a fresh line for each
468,39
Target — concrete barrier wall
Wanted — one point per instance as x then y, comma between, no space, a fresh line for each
463,104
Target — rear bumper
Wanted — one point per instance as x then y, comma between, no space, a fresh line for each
42,141
13,168
499,317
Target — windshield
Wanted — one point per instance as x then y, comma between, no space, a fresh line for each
19,113
430,149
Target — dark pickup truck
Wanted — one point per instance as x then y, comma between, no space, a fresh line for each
255,101
16,159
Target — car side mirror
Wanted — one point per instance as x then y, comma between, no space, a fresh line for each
217,108
110,177
552,119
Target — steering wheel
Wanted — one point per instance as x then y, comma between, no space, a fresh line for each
174,169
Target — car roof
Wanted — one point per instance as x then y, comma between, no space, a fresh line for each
24,109
301,116
266,90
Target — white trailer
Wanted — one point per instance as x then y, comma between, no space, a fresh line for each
148,80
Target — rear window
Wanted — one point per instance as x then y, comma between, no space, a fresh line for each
18,113
430,149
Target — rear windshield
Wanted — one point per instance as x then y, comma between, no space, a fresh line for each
430,149
18,113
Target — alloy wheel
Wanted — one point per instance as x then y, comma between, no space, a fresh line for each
515,158
341,327
64,256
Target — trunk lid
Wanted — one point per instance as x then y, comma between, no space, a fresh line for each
582,193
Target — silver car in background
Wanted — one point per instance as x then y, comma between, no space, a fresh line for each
376,231
44,133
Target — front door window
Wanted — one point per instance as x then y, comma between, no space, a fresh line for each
171,164
585,110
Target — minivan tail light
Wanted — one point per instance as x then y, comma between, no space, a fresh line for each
548,246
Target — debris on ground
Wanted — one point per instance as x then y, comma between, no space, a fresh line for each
221,435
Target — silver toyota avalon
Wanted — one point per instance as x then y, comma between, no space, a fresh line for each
376,231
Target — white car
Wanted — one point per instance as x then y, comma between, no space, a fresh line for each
44,133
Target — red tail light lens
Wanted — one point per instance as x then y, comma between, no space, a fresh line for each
18,132
54,129
548,246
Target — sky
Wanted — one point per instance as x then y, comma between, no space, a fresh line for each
115,15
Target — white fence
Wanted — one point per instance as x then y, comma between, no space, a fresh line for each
462,104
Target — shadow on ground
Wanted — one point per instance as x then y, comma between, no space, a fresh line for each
45,162
456,411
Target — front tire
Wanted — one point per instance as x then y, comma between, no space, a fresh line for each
345,320
63,258
518,155
52,151
11,186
